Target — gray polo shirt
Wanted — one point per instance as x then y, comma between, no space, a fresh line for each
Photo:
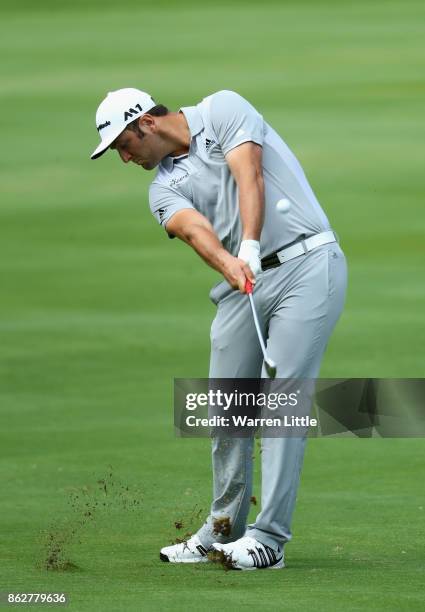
202,179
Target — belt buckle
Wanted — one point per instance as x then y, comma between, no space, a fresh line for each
281,254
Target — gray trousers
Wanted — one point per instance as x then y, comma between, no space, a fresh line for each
298,305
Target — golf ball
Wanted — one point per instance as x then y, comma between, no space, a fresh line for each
283,205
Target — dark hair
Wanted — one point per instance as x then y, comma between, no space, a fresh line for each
157,111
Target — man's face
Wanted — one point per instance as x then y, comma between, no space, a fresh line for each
144,148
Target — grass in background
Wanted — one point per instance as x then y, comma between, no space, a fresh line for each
100,311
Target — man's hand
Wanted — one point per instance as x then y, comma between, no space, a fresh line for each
250,253
236,271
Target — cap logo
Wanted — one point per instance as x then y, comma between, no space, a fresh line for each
132,111
103,125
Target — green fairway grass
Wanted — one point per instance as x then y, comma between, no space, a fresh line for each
99,310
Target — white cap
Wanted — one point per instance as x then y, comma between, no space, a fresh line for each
116,111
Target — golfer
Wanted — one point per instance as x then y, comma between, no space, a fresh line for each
228,186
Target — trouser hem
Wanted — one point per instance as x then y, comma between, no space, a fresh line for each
267,539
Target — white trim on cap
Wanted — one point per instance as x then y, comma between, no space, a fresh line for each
105,144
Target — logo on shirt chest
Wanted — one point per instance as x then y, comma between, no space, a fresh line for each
209,142
177,180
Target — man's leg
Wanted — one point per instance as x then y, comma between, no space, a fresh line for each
299,329
235,353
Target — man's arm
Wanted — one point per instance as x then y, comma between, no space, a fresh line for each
245,163
193,228
240,132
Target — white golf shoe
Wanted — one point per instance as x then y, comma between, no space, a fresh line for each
191,551
249,554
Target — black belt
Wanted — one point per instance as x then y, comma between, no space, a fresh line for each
272,260
301,246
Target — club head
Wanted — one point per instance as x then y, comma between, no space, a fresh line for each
270,368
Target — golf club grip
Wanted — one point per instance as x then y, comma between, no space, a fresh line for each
248,286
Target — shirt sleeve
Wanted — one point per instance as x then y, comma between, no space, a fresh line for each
235,120
164,202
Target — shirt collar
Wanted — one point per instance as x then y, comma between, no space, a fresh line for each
193,118
195,123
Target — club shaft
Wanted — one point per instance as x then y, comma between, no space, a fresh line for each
257,326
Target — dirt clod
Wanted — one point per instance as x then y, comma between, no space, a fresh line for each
220,557
188,522
221,526
87,504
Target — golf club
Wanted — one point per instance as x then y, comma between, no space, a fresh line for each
269,364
